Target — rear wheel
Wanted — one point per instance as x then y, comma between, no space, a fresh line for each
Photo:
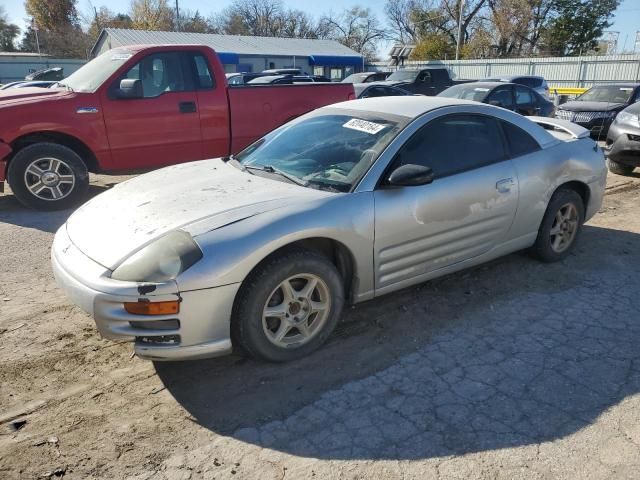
619,168
560,226
48,176
288,307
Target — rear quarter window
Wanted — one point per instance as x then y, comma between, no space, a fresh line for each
519,142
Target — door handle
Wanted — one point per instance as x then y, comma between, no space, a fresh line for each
187,107
504,185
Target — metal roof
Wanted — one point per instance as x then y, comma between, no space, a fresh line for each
239,44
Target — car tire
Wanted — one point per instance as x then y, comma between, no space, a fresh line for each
48,176
619,168
560,227
295,329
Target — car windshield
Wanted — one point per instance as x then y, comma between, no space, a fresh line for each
267,79
91,75
606,93
403,75
466,91
328,151
356,78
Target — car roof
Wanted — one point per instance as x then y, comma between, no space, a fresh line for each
511,77
409,106
621,85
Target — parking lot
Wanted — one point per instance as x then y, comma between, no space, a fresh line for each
515,369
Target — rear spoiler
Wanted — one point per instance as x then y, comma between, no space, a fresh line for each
576,131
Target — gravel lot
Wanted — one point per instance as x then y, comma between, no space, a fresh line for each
515,369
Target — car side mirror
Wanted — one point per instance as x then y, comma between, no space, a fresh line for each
410,175
130,88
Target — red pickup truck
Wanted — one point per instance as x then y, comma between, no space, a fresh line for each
137,108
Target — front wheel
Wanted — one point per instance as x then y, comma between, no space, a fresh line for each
560,226
619,168
48,176
288,307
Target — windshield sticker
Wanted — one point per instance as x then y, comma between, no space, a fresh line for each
364,126
478,89
120,56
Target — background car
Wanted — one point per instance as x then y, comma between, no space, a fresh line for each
539,84
55,73
241,78
366,77
623,141
514,97
37,84
596,108
346,203
287,79
364,90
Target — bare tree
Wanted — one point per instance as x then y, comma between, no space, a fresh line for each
357,28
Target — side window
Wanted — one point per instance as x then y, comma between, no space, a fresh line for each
203,77
159,73
454,144
501,96
424,77
523,96
519,141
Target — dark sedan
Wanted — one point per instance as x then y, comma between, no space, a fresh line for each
623,141
596,108
517,98
364,90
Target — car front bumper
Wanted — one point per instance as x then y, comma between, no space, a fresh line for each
201,329
623,145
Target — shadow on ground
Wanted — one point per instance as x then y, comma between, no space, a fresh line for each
512,353
13,212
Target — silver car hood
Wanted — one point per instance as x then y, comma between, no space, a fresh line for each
211,193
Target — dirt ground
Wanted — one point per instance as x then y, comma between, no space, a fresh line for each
515,369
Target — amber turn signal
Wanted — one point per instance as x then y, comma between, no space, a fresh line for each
152,308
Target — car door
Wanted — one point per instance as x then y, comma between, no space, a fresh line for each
466,211
502,96
526,103
162,126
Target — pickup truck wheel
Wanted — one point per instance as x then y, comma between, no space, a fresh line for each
619,168
48,176
288,307
560,226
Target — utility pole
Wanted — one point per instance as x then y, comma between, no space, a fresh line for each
34,26
177,17
459,29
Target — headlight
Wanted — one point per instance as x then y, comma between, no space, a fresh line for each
629,119
160,261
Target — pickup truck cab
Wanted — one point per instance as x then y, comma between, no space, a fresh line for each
137,108
426,81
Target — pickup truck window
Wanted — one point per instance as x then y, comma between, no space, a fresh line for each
403,76
204,79
160,73
91,75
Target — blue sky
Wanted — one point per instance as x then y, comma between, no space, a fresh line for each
627,19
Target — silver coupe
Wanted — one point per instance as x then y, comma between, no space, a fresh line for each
261,251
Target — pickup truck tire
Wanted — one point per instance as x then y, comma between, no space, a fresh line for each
560,227
288,306
48,176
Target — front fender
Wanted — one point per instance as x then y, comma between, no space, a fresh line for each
233,251
5,152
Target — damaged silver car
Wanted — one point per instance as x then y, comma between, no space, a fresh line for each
344,204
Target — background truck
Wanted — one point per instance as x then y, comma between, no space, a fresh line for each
137,108
426,81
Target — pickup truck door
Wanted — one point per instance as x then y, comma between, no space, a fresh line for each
466,211
163,125
424,84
